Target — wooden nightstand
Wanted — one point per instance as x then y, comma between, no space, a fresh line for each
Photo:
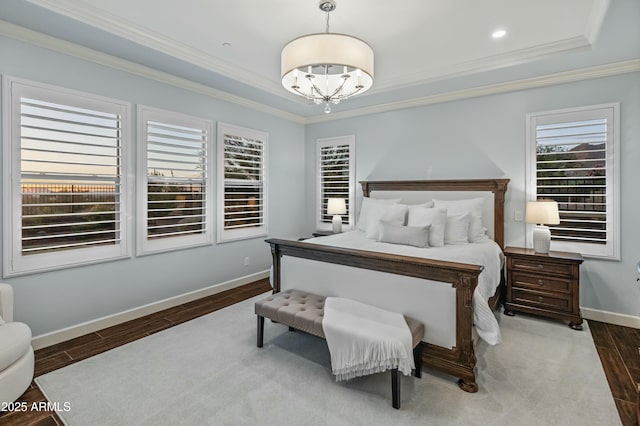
544,284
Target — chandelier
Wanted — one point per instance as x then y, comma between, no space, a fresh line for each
327,67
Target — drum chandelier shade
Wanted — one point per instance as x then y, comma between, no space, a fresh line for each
327,67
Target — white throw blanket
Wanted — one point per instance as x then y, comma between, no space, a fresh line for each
363,339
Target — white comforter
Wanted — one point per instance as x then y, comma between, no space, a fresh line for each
487,254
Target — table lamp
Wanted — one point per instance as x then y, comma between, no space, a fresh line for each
542,213
336,207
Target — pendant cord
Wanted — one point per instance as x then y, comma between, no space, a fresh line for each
327,27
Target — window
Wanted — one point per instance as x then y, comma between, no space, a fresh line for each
573,158
174,183
242,186
65,167
335,176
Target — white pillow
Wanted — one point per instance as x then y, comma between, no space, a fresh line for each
435,217
366,206
456,230
417,236
476,232
391,213
426,205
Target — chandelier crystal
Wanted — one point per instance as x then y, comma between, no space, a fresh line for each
327,67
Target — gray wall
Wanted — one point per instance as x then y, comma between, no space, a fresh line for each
54,300
485,138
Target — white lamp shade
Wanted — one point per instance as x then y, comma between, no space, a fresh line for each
336,206
544,212
337,50
327,48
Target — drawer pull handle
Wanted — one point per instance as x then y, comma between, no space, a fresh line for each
541,267
540,282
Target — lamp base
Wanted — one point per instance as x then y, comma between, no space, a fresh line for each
336,223
541,239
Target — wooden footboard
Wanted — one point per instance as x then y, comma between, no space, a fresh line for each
460,361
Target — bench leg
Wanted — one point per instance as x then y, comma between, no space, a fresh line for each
395,388
260,330
417,360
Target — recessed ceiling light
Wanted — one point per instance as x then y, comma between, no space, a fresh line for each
499,33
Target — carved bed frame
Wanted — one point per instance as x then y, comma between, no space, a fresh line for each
459,361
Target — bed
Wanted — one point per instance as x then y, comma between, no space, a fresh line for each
441,290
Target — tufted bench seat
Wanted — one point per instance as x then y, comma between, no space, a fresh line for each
304,311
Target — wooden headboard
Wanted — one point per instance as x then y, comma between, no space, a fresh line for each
497,186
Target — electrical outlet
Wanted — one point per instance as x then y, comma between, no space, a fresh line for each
517,215
246,261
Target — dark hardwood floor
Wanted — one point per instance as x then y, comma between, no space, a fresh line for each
618,350
617,347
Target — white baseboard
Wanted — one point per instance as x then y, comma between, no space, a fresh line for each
58,336
611,317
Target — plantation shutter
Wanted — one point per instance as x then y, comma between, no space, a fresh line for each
174,207
571,164
66,200
335,177
70,176
575,165
243,201
176,180
244,197
334,169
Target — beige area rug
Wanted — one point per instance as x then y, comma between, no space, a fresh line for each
210,372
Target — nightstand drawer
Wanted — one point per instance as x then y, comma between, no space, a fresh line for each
557,302
541,282
539,266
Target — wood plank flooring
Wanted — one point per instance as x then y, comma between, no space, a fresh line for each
617,347
618,350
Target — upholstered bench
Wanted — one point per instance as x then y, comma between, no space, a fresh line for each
304,311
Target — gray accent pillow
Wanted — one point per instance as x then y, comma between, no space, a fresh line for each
417,236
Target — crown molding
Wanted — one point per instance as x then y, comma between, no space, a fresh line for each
39,39
120,27
493,89
488,63
72,49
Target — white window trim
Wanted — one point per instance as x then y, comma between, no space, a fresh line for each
611,250
324,142
145,246
14,264
223,235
